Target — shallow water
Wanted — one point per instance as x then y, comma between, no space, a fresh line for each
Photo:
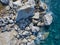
54,29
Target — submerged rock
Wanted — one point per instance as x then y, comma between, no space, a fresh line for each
42,35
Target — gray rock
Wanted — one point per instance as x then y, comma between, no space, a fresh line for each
31,43
5,1
7,8
26,33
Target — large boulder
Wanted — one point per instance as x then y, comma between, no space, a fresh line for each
48,19
23,17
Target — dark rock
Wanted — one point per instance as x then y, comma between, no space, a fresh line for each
23,23
23,18
26,13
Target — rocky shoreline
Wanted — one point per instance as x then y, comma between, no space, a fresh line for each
28,30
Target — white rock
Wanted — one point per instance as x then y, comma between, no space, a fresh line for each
31,43
10,21
27,28
32,37
43,5
40,24
11,3
25,7
36,15
48,19
31,2
35,28
34,21
7,8
29,40
26,33
24,40
18,3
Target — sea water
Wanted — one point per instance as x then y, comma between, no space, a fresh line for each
54,29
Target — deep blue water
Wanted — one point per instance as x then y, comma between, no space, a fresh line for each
54,29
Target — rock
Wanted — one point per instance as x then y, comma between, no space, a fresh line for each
42,35
4,1
26,33
23,23
48,19
43,5
13,41
29,40
24,40
34,21
13,33
35,29
32,37
7,8
31,2
37,41
36,15
31,43
45,35
40,24
27,28
23,44
18,3
11,21
5,38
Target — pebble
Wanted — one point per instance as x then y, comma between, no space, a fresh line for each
29,40
35,29
34,21
26,33
36,15
24,40
27,28
32,37
40,24
11,21
7,8
31,43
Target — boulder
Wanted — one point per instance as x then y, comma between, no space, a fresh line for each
48,19
36,15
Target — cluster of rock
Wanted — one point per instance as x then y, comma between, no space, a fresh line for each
25,22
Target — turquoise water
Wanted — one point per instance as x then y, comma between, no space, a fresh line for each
54,29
